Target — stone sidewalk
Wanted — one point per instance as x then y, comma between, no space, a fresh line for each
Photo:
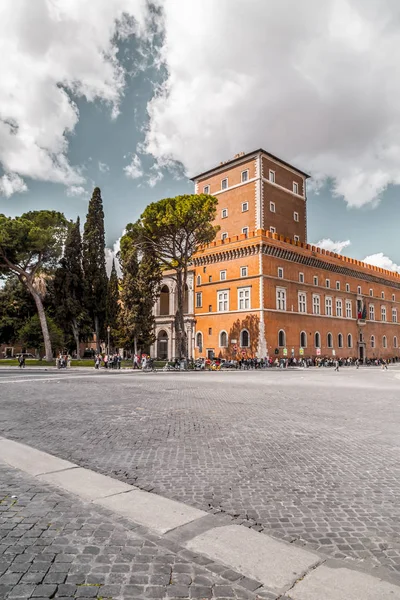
54,545
68,532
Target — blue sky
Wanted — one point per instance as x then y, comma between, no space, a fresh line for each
170,95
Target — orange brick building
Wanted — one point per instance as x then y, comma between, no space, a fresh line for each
260,290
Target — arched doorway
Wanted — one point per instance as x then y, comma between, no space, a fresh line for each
164,300
162,345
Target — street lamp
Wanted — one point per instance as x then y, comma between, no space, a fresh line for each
108,336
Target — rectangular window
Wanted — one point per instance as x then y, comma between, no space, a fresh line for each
224,213
394,315
371,292
210,331
224,235
204,269
280,299
272,176
393,297
280,272
245,230
349,311
224,184
316,303
223,301
272,206
302,302
296,216
359,290
383,295
327,283
296,238
199,299
328,307
383,313
347,287
295,187
315,280
245,176
243,271
222,275
210,308
338,285
206,189
371,312
245,206
209,278
244,298
272,229
339,308
301,277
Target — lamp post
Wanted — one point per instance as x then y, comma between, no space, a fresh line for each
108,337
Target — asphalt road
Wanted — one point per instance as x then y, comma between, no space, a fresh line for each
308,456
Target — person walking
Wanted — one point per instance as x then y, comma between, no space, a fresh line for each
357,363
337,365
21,361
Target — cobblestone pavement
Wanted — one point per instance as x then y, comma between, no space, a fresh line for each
52,545
311,456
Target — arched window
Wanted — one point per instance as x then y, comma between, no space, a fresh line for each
349,341
244,338
281,339
198,280
340,340
384,341
223,339
303,339
330,340
395,342
317,340
372,341
162,345
164,300
199,341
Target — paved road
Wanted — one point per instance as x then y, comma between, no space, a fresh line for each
310,456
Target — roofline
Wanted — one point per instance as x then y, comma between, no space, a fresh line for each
248,155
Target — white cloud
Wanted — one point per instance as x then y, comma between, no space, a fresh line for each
155,176
332,246
134,170
51,50
103,167
11,184
380,260
76,191
314,82
111,254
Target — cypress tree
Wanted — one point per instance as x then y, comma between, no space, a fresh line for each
94,265
112,307
69,286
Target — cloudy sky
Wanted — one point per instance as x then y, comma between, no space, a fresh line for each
110,93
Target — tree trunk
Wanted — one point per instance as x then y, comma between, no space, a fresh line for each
135,345
97,332
43,323
75,332
179,317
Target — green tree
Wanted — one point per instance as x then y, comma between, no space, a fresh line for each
94,265
69,287
139,290
172,230
112,305
30,247
31,334
16,306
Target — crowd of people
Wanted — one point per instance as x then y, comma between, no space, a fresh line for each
285,362
108,361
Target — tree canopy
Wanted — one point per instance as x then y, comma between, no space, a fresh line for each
30,246
112,305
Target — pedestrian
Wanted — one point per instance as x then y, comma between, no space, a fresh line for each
337,365
119,361
357,363
105,361
21,361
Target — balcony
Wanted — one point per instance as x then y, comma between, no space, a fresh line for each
361,321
